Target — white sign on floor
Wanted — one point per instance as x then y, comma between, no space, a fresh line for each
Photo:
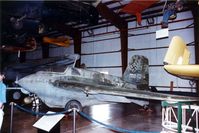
46,123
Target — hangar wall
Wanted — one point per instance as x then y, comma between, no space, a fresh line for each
101,50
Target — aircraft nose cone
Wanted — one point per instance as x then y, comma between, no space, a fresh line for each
21,82
24,82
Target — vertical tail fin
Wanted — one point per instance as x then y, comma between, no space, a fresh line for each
177,53
137,72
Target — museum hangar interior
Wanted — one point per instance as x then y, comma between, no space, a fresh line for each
109,65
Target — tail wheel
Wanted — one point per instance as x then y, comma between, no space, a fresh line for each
73,104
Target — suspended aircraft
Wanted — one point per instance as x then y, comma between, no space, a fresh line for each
23,19
77,87
63,41
136,7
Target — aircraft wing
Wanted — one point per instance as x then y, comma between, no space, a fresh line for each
91,87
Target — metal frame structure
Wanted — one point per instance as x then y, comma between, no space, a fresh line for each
178,121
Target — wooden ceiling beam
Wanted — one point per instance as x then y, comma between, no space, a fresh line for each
111,16
122,25
68,30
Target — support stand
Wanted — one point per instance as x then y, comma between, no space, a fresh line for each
74,120
11,116
178,122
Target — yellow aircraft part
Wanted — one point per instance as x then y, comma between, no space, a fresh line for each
177,52
60,41
183,70
177,60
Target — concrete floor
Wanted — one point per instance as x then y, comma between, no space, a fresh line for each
127,116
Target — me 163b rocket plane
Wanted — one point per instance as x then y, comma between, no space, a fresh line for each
77,87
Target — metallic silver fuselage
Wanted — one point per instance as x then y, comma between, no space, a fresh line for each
88,87
56,88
